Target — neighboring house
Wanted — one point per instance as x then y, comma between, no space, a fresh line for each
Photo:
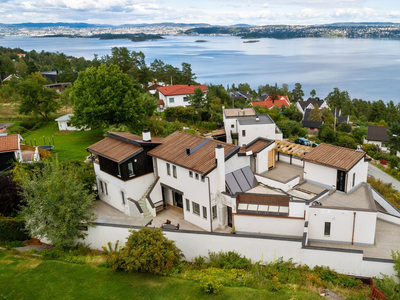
58,87
269,103
124,171
10,150
240,95
63,123
310,103
378,136
243,125
262,97
177,95
152,87
313,126
52,75
9,77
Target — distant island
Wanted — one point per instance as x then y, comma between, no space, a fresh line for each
201,41
251,41
136,37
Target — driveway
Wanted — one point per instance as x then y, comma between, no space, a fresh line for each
378,173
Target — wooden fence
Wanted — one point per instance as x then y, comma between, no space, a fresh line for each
376,293
43,153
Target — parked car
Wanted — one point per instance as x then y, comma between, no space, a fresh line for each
303,141
314,145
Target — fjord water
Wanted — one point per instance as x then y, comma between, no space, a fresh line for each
367,68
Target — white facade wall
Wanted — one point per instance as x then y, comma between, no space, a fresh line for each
262,159
341,225
63,125
384,203
361,171
254,131
268,225
377,143
320,174
236,162
295,160
195,190
230,124
389,218
258,249
277,184
297,209
178,100
134,188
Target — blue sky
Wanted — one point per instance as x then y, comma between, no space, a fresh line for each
218,12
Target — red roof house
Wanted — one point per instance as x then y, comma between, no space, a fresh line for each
282,100
176,95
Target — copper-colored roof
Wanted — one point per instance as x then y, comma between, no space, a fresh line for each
334,156
136,138
9,143
180,89
202,160
239,112
218,132
256,146
114,149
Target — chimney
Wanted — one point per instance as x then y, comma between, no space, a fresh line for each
187,151
146,135
220,161
257,118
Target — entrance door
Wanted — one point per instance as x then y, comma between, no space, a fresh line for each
229,210
163,196
341,181
178,200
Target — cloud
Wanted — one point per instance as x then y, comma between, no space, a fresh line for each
393,14
354,13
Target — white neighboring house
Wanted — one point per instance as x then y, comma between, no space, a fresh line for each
63,123
243,126
378,136
310,103
176,95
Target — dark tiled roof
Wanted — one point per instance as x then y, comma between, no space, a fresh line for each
377,133
334,156
310,124
304,104
134,138
202,157
9,143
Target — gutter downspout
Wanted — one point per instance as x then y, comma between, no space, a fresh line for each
354,225
209,200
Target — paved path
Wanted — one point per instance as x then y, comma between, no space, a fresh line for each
378,173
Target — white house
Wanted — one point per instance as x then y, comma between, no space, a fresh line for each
243,125
63,123
378,136
310,103
177,95
10,150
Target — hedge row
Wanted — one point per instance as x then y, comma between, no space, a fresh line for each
12,229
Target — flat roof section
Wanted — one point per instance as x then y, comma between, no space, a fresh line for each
239,112
283,172
255,120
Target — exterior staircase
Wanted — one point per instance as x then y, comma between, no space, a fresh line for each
142,202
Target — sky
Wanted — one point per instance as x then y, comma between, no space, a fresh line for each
215,12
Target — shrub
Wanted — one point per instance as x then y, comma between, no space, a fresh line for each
12,229
228,260
211,285
383,162
17,129
30,124
147,250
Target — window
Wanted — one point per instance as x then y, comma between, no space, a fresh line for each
187,205
202,178
185,99
204,212
119,170
105,188
327,230
197,176
354,178
131,172
232,125
171,100
168,169
123,197
174,171
214,212
196,208
191,174
243,132
101,186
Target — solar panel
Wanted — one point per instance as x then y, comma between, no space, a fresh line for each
249,176
232,183
243,183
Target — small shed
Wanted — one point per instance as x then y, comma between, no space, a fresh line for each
63,123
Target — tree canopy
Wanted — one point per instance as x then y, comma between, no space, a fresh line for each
105,96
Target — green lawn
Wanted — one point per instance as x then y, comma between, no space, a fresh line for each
68,144
31,278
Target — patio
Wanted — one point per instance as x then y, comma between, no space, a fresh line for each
283,172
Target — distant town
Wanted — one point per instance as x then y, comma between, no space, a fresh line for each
348,30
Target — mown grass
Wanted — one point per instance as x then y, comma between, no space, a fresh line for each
69,145
23,277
